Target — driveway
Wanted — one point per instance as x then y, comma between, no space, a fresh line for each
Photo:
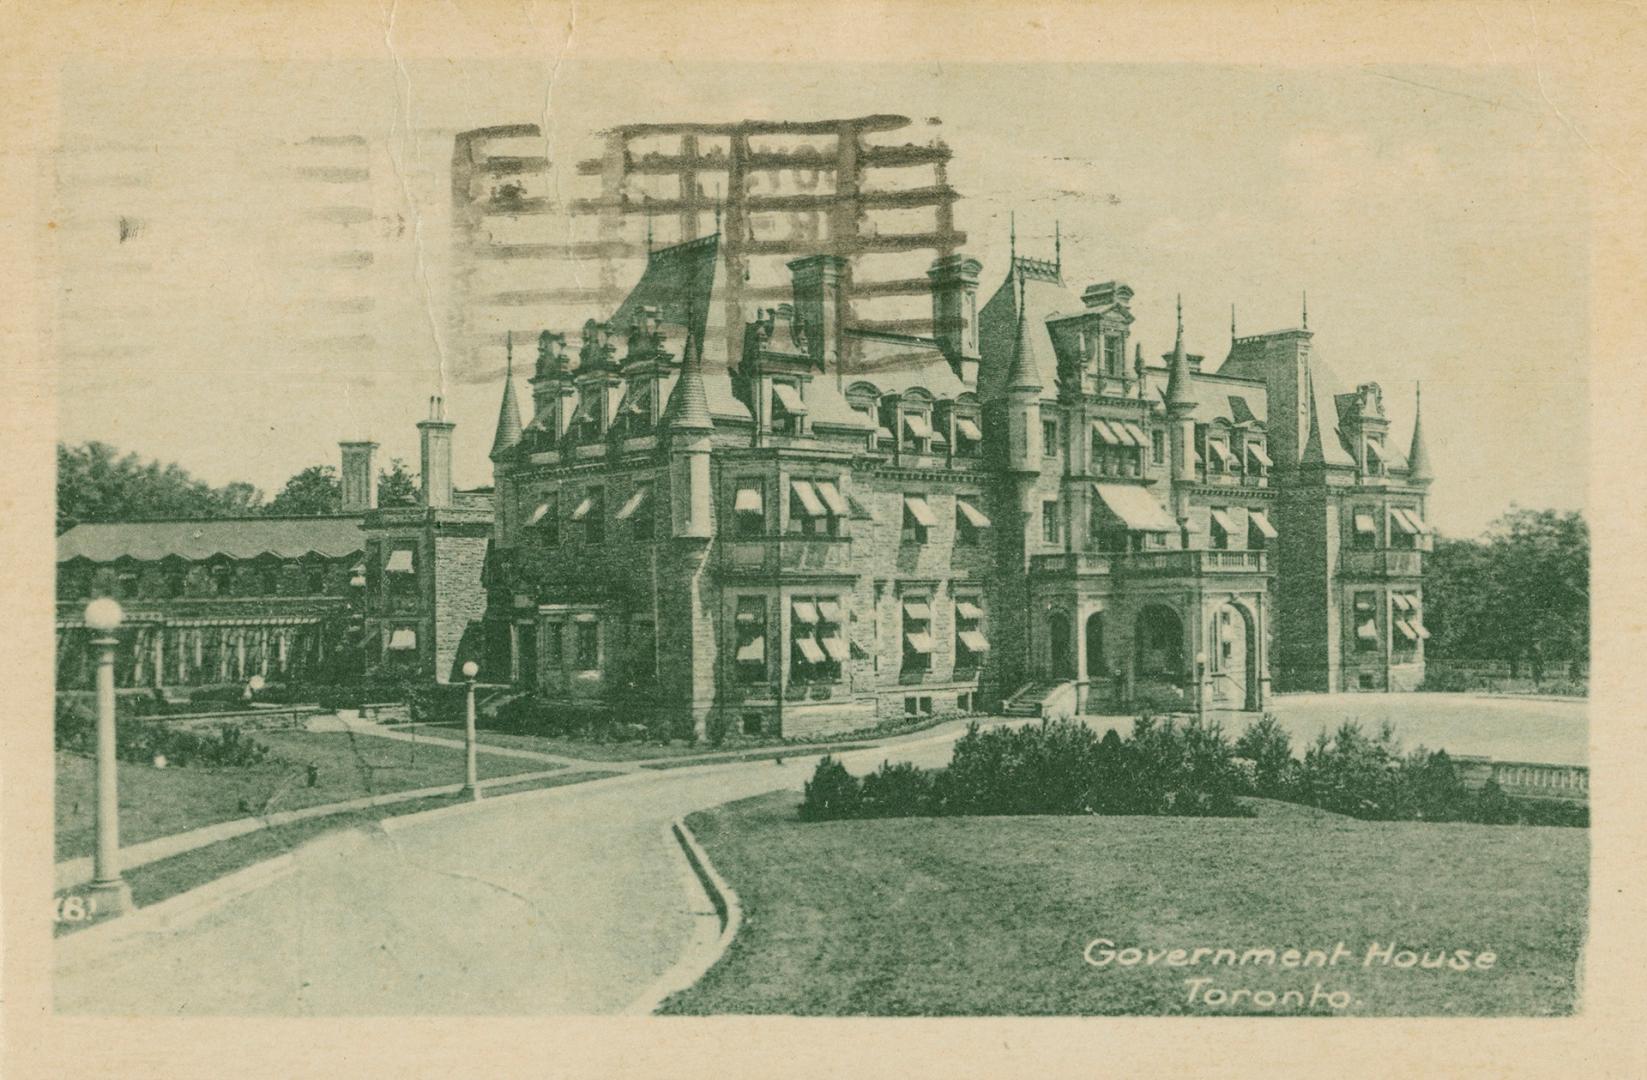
570,900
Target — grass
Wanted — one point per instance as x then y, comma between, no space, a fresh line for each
797,750
165,878
159,802
990,916
593,750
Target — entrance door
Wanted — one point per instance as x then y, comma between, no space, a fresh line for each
1096,668
528,654
1233,675
1062,644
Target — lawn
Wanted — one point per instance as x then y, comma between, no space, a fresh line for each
158,802
164,878
992,916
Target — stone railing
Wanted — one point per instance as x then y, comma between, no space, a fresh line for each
1385,562
1150,563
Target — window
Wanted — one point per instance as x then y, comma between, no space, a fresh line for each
918,519
1408,622
552,644
749,510
1405,528
751,723
749,626
815,507
1258,462
1375,457
969,438
1366,622
638,509
1051,523
1366,527
314,581
588,645
918,643
544,519
817,639
1219,458
970,643
1223,527
969,520
917,433
177,583
643,652
1259,530
787,408
1158,446
1049,438
591,512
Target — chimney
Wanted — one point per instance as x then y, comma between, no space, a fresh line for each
955,312
436,433
818,282
359,479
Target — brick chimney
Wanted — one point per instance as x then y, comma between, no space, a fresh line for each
819,281
436,434
359,478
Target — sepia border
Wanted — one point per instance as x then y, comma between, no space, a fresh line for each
1586,59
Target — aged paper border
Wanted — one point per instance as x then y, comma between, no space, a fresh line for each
1585,55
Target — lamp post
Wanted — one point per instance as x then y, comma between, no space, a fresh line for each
109,890
471,786
1200,685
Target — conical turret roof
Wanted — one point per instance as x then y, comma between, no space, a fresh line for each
508,430
688,408
1418,457
1022,375
1178,377
1313,453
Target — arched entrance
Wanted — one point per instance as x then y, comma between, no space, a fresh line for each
1096,667
1061,646
1160,645
1234,658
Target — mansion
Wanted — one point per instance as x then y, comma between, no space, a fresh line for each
835,525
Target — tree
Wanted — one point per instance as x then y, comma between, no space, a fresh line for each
1520,593
396,485
95,482
315,490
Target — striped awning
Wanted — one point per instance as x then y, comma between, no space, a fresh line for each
832,497
1261,522
808,496
920,511
975,517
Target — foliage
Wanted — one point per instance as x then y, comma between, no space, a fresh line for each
140,739
315,490
832,794
95,482
396,485
1266,744
1521,593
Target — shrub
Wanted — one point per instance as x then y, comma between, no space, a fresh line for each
1266,744
141,740
900,790
831,794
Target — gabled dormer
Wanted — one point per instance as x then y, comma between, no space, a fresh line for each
645,366
553,396
598,382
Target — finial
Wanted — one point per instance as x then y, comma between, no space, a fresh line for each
1306,297
648,204
1180,314
1057,246
1232,324
717,208
1012,235
509,354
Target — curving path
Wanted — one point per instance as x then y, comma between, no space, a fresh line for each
563,901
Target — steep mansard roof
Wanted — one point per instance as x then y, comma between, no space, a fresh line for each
238,538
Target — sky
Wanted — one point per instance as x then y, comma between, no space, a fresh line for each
1435,216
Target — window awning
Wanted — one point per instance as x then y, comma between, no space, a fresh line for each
976,517
636,400
1403,521
403,638
789,398
830,611
919,510
837,649
832,497
636,501
921,643
1418,627
1256,450
1136,508
1406,630
1367,631
539,514
917,425
1364,524
584,507
966,609
749,615
810,503
1259,520
810,650
805,612
1418,522
974,641
748,501
1222,520
1138,434
965,428
917,609
1401,601
1375,453
753,650
883,433
1222,453
400,562
1106,433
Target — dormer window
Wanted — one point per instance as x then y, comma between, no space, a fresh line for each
1258,462
1375,458
917,433
787,408
1220,460
969,438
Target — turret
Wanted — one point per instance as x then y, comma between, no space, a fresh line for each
1418,457
1181,420
1023,399
507,436
690,431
